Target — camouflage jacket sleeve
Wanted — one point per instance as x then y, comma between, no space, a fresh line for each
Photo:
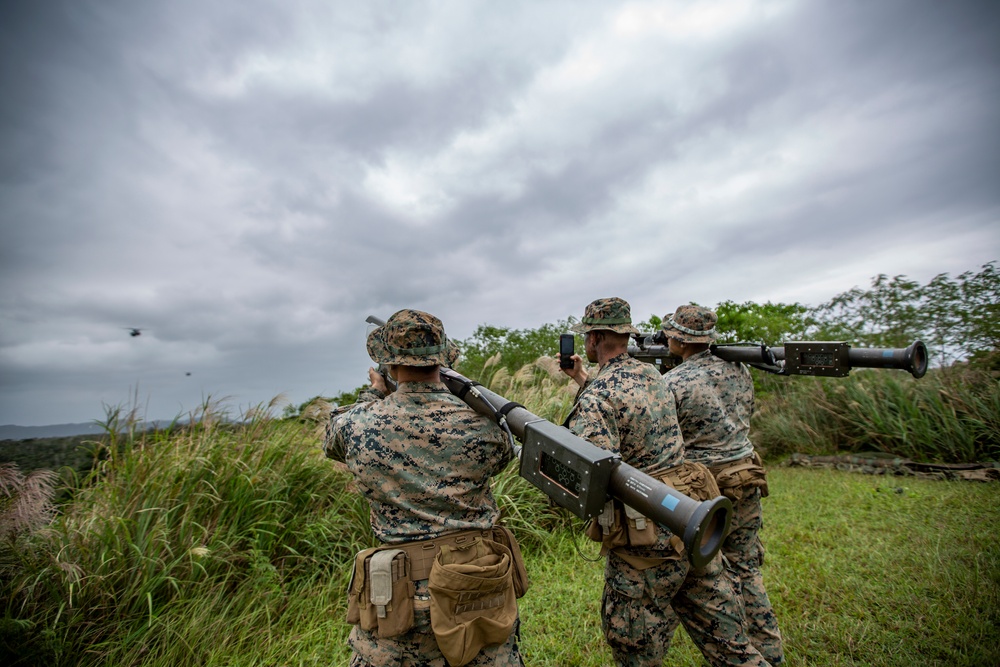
593,419
334,445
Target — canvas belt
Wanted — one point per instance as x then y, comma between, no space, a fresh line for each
736,478
739,465
421,553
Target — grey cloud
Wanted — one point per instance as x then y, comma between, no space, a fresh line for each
155,172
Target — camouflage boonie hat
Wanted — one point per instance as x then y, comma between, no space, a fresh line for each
691,324
411,338
611,314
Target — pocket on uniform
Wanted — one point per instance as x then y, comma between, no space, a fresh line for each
622,617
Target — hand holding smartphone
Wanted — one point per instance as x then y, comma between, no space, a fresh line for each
566,343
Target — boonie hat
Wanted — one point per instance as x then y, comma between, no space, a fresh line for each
691,324
411,338
610,314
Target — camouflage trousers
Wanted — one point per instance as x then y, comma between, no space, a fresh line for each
418,648
640,608
745,553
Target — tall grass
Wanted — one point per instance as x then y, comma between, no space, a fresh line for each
249,513
539,386
950,416
861,571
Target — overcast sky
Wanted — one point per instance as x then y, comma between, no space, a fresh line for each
247,180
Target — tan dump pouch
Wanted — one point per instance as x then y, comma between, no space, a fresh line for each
504,536
421,553
472,599
736,478
381,592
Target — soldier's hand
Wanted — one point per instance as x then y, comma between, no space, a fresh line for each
578,372
377,381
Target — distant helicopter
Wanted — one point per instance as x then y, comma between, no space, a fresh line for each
133,332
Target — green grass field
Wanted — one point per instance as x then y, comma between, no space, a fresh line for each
229,545
861,570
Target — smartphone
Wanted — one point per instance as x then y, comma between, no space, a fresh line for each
566,342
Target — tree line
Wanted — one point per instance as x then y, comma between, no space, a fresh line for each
958,318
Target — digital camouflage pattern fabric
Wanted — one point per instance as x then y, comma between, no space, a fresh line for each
691,324
628,409
744,553
639,606
610,314
411,338
423,459
714,402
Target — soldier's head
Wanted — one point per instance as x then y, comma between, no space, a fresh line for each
605,326
690,328
413,339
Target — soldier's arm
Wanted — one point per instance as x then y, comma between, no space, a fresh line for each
593,420
334,442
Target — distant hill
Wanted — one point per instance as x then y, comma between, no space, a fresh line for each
12,432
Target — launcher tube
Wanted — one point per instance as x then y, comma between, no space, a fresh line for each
701,525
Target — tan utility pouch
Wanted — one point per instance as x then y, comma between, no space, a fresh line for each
694,480
381,592
736,478
472,599
608,528
641,531
619,525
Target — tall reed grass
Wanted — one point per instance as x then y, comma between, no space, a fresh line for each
249,513
951,415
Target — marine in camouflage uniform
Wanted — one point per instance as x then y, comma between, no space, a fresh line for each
423,459
714,400
627,409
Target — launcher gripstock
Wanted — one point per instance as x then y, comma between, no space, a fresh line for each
820,358
580,476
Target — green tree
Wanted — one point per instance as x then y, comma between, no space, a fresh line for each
979,312
504,347
887,315
941,298
958,318
769,323
651,325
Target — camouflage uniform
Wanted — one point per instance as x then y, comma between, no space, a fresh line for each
714,401
424,460
627,409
